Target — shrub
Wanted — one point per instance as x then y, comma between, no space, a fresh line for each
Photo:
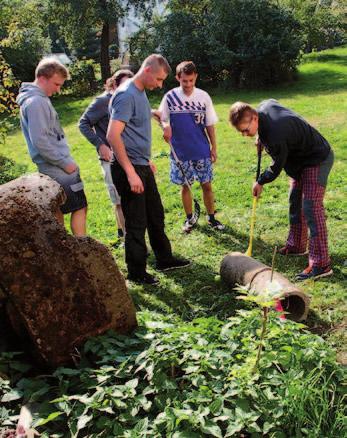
8,106
10,170
251,43
175,379
82,80
257,42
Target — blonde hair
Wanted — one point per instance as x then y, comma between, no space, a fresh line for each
48,67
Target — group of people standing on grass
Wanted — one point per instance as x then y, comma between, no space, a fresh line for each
118,124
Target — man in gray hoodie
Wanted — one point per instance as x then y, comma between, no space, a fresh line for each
46,141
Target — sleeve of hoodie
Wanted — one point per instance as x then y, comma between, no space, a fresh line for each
92,115
279,154
38,115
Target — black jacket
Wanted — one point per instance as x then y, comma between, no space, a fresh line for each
292,143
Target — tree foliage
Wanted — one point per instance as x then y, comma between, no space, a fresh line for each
249,42
76,19
8,106
24,34
323,22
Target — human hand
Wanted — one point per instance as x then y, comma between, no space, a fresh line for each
257,189
156,114
135,182
70,168
213,155
167,133
153,167
105,152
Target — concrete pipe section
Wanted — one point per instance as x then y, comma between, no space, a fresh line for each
237,268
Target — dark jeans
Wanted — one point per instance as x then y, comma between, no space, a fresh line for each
141,211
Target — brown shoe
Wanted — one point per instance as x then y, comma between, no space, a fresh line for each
290,251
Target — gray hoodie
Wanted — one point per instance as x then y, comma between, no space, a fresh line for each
41,127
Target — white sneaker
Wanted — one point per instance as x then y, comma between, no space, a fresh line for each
189,224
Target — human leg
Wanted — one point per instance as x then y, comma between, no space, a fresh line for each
297,236
314,183
134,210
208,197
76,201
114,196
78,222
187,200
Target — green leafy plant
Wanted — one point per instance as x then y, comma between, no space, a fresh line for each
176,379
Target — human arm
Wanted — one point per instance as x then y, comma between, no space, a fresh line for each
211,132
279,155
95,112
165,119
114,137
38,118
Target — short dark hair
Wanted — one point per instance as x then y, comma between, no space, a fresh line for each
238,111
156,61
186,67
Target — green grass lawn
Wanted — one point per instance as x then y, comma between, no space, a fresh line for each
319,95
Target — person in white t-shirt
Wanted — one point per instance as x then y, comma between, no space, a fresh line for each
188,117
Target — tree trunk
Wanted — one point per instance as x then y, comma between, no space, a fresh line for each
104,54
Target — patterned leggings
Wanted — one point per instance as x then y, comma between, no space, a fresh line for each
306,210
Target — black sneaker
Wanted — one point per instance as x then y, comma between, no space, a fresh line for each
213,223
314,273
145,279
174,263
120,233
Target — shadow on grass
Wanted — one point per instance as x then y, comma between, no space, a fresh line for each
204,294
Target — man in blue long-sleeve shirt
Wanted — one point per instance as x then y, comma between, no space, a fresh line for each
306,156
93,125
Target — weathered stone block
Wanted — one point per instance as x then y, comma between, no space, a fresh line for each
59,289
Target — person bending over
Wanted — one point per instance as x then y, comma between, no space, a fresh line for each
307,158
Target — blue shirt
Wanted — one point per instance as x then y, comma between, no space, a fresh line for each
131,106
189,116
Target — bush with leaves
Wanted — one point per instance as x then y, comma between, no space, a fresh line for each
256,41
8,106
25,38
82,80
323,23
197,379
250,42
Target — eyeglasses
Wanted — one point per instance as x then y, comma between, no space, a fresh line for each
246,130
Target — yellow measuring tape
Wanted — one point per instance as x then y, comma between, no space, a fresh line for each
251,232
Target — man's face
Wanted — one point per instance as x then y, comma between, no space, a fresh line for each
155,78
249,125
187,82
53,84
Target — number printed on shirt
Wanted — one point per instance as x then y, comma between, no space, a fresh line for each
199,118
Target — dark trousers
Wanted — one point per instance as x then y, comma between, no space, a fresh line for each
141,212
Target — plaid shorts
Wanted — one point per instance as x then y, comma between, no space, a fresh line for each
72,185
195,170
